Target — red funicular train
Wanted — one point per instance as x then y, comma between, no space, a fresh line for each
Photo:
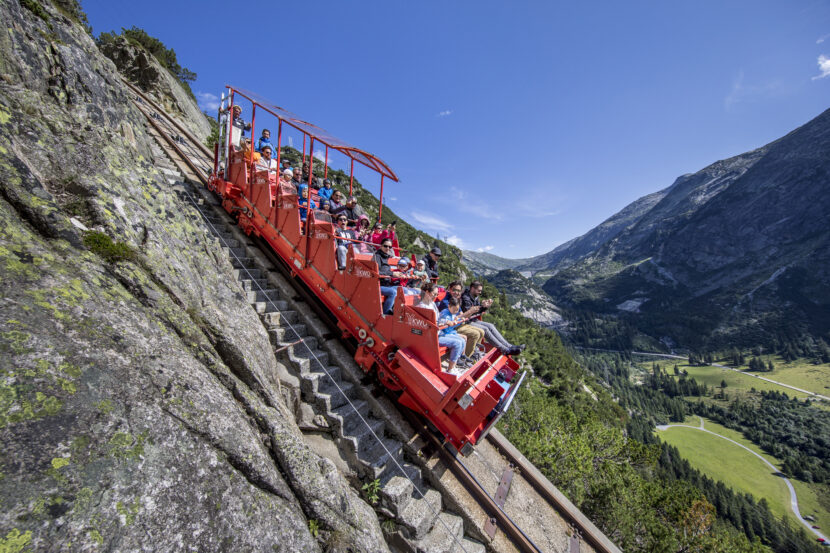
403,347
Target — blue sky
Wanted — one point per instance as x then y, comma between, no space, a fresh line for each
513,126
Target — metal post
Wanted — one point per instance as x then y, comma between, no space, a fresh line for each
380,207
326,170
253,120
310,168
304,148
279,147
230,136
351,177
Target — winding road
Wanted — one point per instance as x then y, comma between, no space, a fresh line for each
793,498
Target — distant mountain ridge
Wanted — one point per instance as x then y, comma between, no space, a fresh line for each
737,250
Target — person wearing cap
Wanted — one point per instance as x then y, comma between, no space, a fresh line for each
287,175
431,262
238,122
344,235
305,202
403,281
263,140
327,190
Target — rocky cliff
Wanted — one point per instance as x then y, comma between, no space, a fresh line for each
145,71
140,400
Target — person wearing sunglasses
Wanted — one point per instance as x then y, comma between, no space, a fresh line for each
387,290
344,237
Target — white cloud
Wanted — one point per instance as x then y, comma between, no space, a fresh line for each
823,66
320,155
484,249
207,101
455,241
822,39
444,113
465,204
391,199
431,221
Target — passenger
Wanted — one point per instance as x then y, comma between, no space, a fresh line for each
472,297
286,164
336,201
238,122
266,161
304,201
246,151
327,190
345,235
448,316
431,262
364,235
287,175
352,210
420,274
296,180
378,234
263,140
405,270
387,290
391,233
325,204
453,343
473,334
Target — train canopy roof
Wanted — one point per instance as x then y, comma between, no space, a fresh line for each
321,135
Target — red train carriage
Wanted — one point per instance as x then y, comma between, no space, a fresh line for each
403,347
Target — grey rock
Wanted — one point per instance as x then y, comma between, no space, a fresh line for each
134,393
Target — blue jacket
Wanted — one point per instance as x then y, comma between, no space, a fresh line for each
305,202
445,317
325,193
262,142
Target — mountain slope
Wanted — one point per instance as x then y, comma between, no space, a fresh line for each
739,248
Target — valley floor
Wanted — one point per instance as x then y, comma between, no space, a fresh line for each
726,455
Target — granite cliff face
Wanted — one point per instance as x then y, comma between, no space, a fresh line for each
140,401
145,71
529,299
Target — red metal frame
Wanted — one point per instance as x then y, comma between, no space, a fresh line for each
402,348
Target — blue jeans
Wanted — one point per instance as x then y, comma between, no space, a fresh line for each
388,293
454,343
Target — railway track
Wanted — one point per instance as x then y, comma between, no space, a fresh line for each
434,501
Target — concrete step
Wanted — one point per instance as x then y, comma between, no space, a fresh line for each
332,395
286,335
445,536
411,474
280,318
313,380
374,455
418,515
241,274
243,263
307,360
347,417
234,252
252,285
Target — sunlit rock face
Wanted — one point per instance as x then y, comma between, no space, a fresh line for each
140,407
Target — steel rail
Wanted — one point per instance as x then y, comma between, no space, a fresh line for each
534,477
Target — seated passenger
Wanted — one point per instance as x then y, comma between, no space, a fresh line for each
327,190
448,316
304,201
364,235
266,161
264,139
452,342
287,175
336,201
391,233
325,204
352,210
431,262
419,275
387,290
296,180
344,236
473,334
406,271
377,234
472,297
246,151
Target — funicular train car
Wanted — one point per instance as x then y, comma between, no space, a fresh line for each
401,348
